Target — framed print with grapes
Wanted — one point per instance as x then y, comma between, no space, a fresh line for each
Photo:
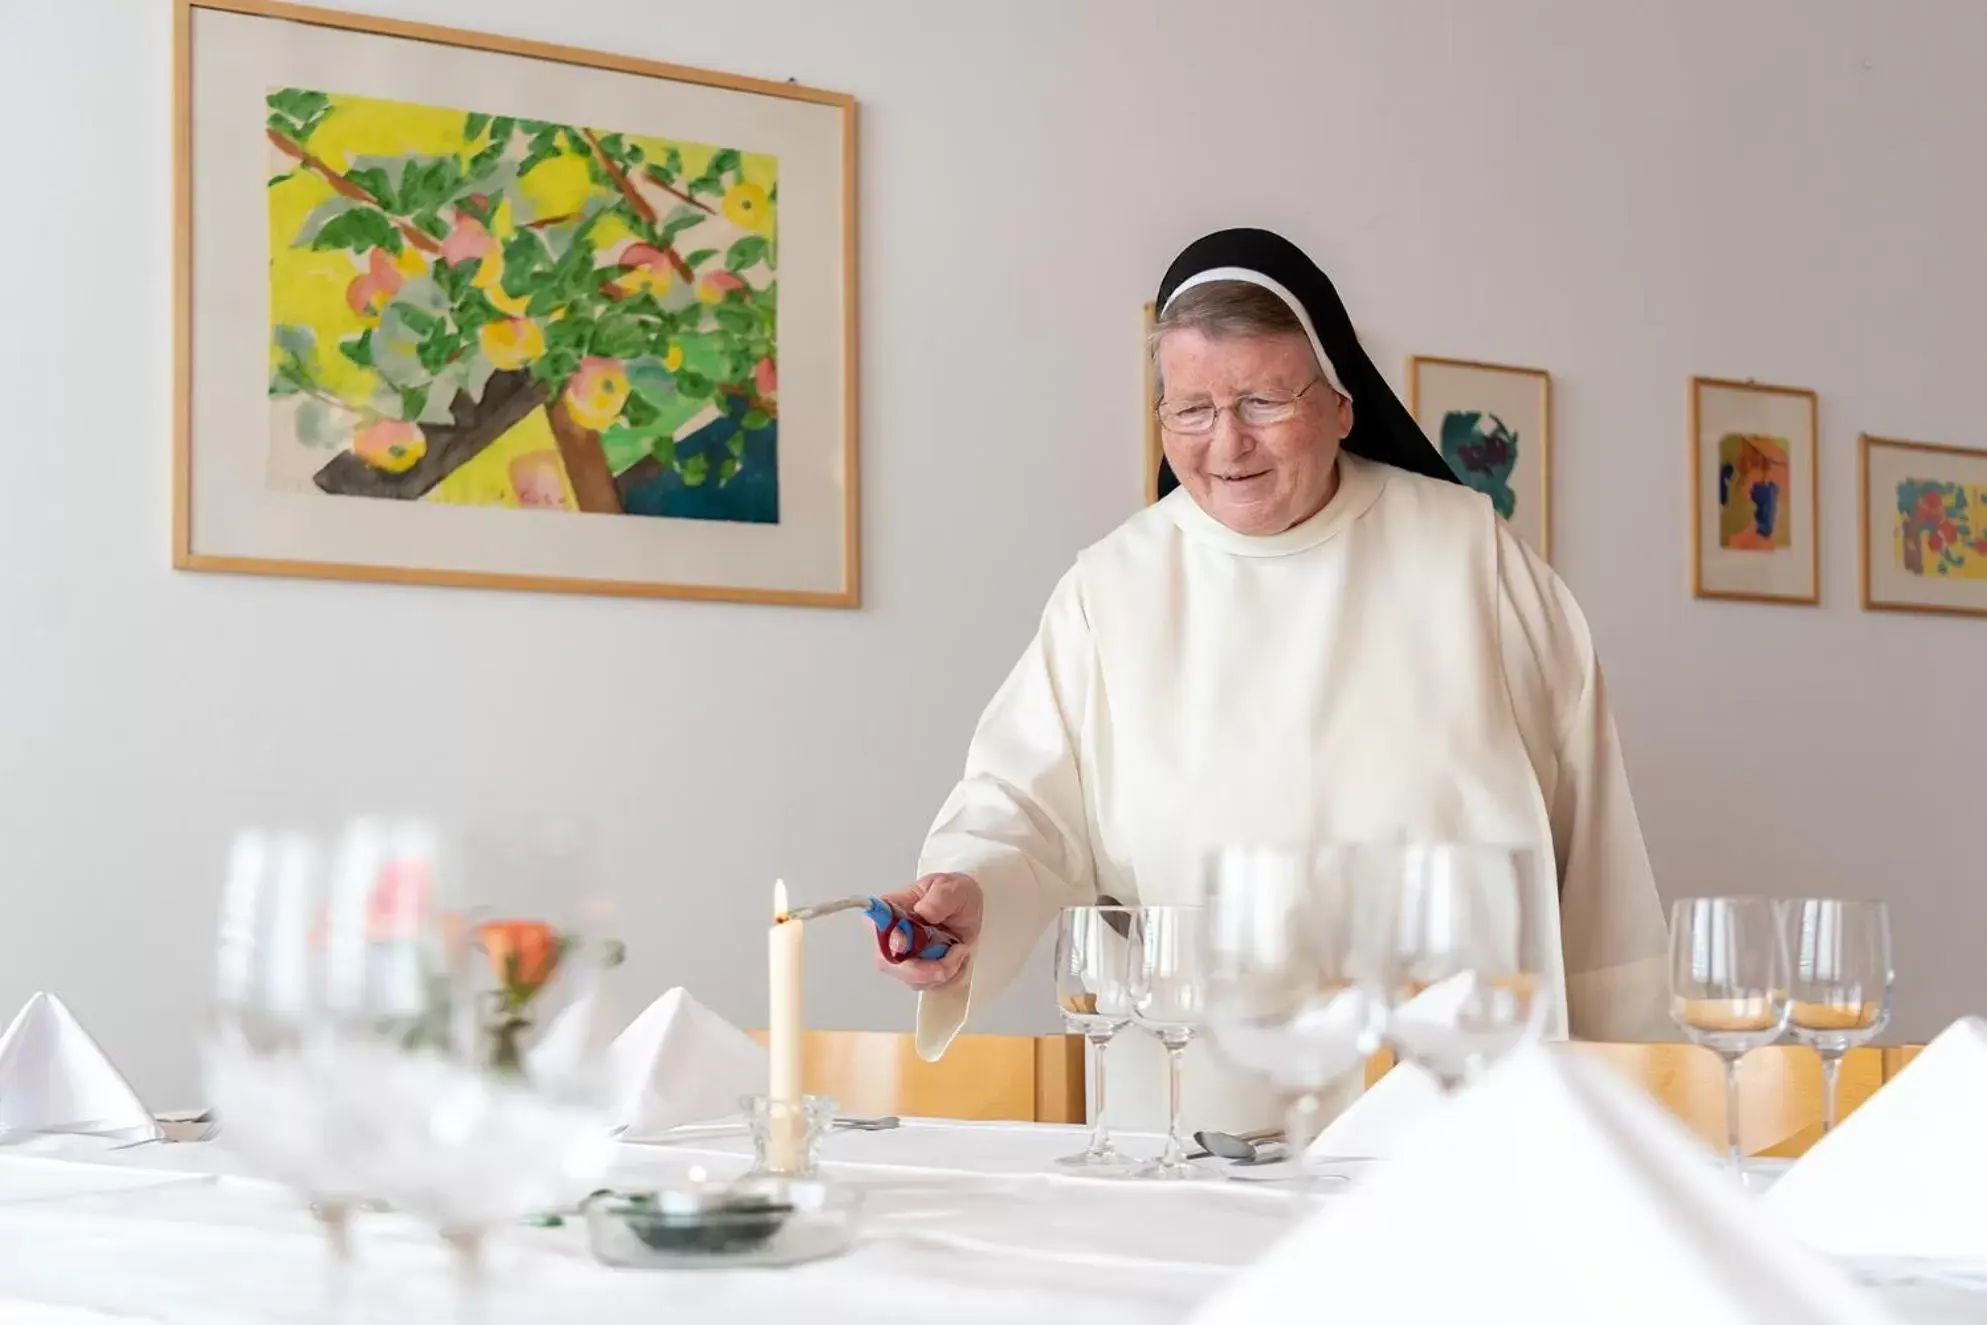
458,309
1924,527
1755,502
1493,425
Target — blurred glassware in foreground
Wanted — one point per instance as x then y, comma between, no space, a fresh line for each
1840,980
1094,959
1728,986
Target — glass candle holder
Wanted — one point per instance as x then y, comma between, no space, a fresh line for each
786,1134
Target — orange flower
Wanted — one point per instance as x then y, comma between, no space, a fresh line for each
523,953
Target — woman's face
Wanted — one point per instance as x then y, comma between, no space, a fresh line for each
1253,478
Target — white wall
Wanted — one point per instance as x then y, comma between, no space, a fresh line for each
1623,192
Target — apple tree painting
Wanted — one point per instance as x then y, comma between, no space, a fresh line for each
486,310
1937,532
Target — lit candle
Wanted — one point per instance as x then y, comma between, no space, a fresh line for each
783,1029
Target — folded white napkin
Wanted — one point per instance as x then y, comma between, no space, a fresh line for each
678,1063
1379,1123
1550,1192
1904,1174
54,1078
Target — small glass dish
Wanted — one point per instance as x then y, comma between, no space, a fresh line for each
786,1137
750,1223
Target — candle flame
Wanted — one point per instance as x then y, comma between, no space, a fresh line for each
779,900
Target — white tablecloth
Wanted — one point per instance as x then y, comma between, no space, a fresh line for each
961,1223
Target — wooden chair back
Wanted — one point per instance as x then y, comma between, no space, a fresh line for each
1780,1091
1023,1078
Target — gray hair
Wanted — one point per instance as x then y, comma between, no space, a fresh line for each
1222,310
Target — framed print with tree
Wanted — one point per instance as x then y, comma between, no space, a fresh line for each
460,309
1154,452
1493,425
1755,504
1924,526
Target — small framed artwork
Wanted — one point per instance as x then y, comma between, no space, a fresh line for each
458,309
1493,425
1924,527
1755,503
1154,452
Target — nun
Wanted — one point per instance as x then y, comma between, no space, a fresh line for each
1316,634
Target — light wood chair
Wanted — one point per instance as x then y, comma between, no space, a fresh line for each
1898,1057
1779,1089
1025,1078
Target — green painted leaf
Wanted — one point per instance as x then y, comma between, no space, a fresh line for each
359,349
694,384
284,125
695,470
664,451
474,123
746,252
728,470
706,183
431,224
724,162
735,444
413,400
418,320
617,336
297,343
735,318
660,174
358,230
298,103
700,257
754,420
282,384
500,128
576,142
376,182
638,412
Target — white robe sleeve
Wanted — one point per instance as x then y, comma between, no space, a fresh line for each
1017,822
1612,928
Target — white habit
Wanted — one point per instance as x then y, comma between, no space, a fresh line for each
1397,667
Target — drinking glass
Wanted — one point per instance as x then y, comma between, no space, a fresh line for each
1458,968
1728,986
1285,931
1166,999
1839,995
1093,988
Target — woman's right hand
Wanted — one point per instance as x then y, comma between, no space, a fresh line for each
952,901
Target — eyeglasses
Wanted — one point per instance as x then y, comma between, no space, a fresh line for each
1257,410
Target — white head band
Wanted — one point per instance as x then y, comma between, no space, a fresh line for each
1249,277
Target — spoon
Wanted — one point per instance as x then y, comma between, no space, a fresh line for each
1243,1148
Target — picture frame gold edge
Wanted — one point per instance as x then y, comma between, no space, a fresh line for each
1154,448
356,572
528,47
1867,443
1414,363
186,559
1813,599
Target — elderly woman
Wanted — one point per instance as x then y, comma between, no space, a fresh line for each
1319,635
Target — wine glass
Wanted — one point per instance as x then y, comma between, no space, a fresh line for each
1093,988
1166,1000
509,1084
1728,986
1459,966
1284,932
1839,996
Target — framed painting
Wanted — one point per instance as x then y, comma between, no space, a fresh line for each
1154,452
1755,503
1924,527
1493,425
459,309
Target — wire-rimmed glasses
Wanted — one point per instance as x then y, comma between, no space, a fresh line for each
1257,409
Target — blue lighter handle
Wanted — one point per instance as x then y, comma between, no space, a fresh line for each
888,918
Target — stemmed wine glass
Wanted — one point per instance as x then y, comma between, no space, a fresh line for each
1093,988
1840,967
1285,931
1459,968
1166,1000
1728,986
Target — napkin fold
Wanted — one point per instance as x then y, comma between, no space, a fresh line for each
1549,1192
1380,1122
55,1078
679,1062
1901,1176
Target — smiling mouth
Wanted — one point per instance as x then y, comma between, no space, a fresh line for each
1240,478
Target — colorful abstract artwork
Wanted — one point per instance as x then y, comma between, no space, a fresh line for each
1925,527
1492,424
1754,516
1483,451
1753,477
453,304
479,309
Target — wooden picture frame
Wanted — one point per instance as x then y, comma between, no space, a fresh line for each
1481,418
1925,501
697,363
1155,450
1755,513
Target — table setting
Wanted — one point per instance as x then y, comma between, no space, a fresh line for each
420,1106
